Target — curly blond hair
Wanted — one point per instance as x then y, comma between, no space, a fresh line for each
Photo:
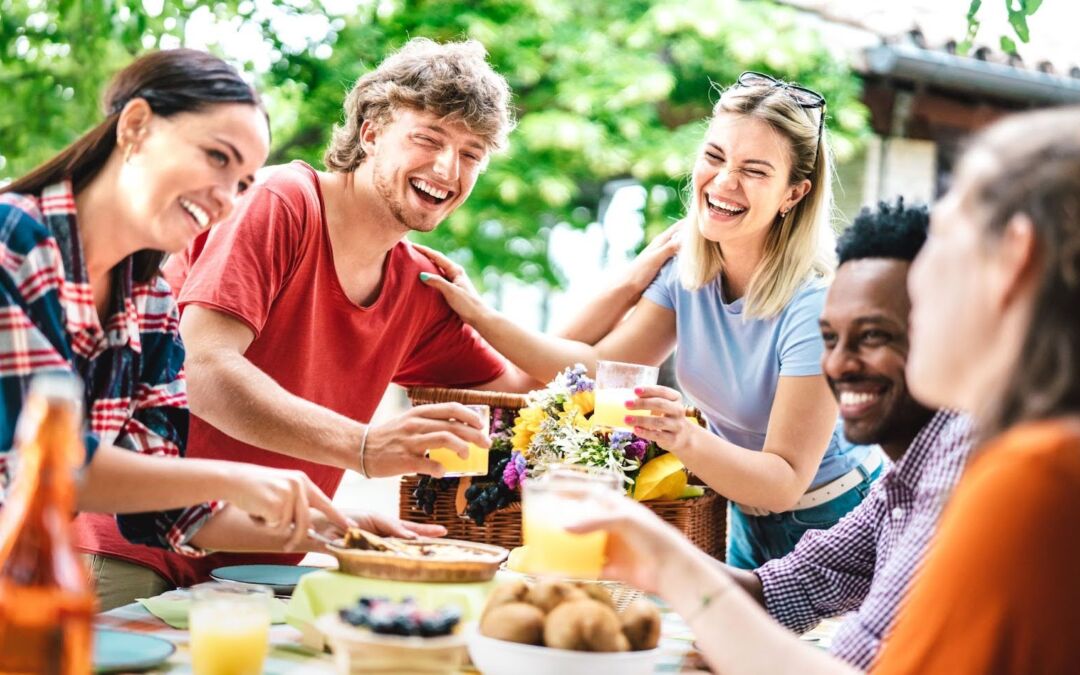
452,80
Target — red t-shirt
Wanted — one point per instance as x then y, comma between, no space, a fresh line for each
272,267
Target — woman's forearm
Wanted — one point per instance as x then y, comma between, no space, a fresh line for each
601,314
541,356
733,631
123,481
762,479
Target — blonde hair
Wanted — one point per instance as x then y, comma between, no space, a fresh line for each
451,80
801,245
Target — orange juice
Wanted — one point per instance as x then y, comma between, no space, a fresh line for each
225,642
562,496
611,409
230,629
476,464
553,550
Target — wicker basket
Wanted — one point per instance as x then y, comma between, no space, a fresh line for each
702,519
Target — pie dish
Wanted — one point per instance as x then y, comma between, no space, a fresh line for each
423,559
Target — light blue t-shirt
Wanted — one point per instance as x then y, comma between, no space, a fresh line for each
729,368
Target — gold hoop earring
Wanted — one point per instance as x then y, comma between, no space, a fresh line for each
128,149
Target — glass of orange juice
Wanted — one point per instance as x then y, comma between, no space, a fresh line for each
476,463
615,383
555,500
230,629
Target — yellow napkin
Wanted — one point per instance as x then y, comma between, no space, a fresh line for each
172,608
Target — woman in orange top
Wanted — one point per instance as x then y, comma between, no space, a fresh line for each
995,332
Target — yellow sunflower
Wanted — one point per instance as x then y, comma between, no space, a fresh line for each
526,425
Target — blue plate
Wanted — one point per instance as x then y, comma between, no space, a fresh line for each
119,651
282,579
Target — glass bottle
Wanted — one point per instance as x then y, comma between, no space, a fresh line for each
46,604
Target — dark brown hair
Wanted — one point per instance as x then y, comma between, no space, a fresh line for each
451,80
171,82
1034,170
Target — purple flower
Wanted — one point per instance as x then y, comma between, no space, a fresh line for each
576,380
514,473
636,450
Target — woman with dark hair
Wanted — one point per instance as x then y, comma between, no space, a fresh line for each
81,241
994,332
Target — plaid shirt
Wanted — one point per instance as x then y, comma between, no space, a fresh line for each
131,367
865,562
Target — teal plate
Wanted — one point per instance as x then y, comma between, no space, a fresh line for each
282,579
118,651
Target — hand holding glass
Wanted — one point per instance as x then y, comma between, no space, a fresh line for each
476,463
563,496
615,384
230,629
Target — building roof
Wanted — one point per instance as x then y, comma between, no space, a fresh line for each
938,25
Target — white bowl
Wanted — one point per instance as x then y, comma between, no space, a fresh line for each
358,650
498,657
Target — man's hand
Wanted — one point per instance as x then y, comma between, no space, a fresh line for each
388,526
378,523
647,264
399,445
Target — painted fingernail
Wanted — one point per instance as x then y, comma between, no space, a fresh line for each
629,419
424,276
630,403
639,390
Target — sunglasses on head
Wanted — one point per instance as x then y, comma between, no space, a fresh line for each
808,99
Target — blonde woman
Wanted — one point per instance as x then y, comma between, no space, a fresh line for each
740,303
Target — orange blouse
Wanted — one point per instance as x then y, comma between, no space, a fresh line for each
1000,590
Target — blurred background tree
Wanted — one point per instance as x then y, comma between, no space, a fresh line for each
607,93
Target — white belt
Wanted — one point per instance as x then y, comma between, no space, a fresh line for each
828,491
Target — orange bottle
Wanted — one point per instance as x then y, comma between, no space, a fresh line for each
46,604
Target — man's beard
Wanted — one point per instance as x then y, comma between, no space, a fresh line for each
396,207
901,423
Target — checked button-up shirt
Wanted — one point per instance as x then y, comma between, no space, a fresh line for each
130,364
864,563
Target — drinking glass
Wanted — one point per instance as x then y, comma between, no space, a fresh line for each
476,463
560,497
230,628
615,383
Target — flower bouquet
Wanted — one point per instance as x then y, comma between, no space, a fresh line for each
555,428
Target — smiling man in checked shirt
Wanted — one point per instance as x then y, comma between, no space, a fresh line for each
865,562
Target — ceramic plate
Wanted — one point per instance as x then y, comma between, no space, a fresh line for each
282,579
119,651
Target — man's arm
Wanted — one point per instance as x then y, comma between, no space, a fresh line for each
748,581
829,572
233,394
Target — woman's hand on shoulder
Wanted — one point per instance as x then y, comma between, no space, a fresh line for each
454,284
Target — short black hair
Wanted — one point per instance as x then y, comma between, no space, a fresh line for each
889,231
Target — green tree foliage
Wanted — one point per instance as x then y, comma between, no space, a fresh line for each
604,91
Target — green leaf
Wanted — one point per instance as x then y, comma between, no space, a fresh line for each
1018,20
1030,6
1007,45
